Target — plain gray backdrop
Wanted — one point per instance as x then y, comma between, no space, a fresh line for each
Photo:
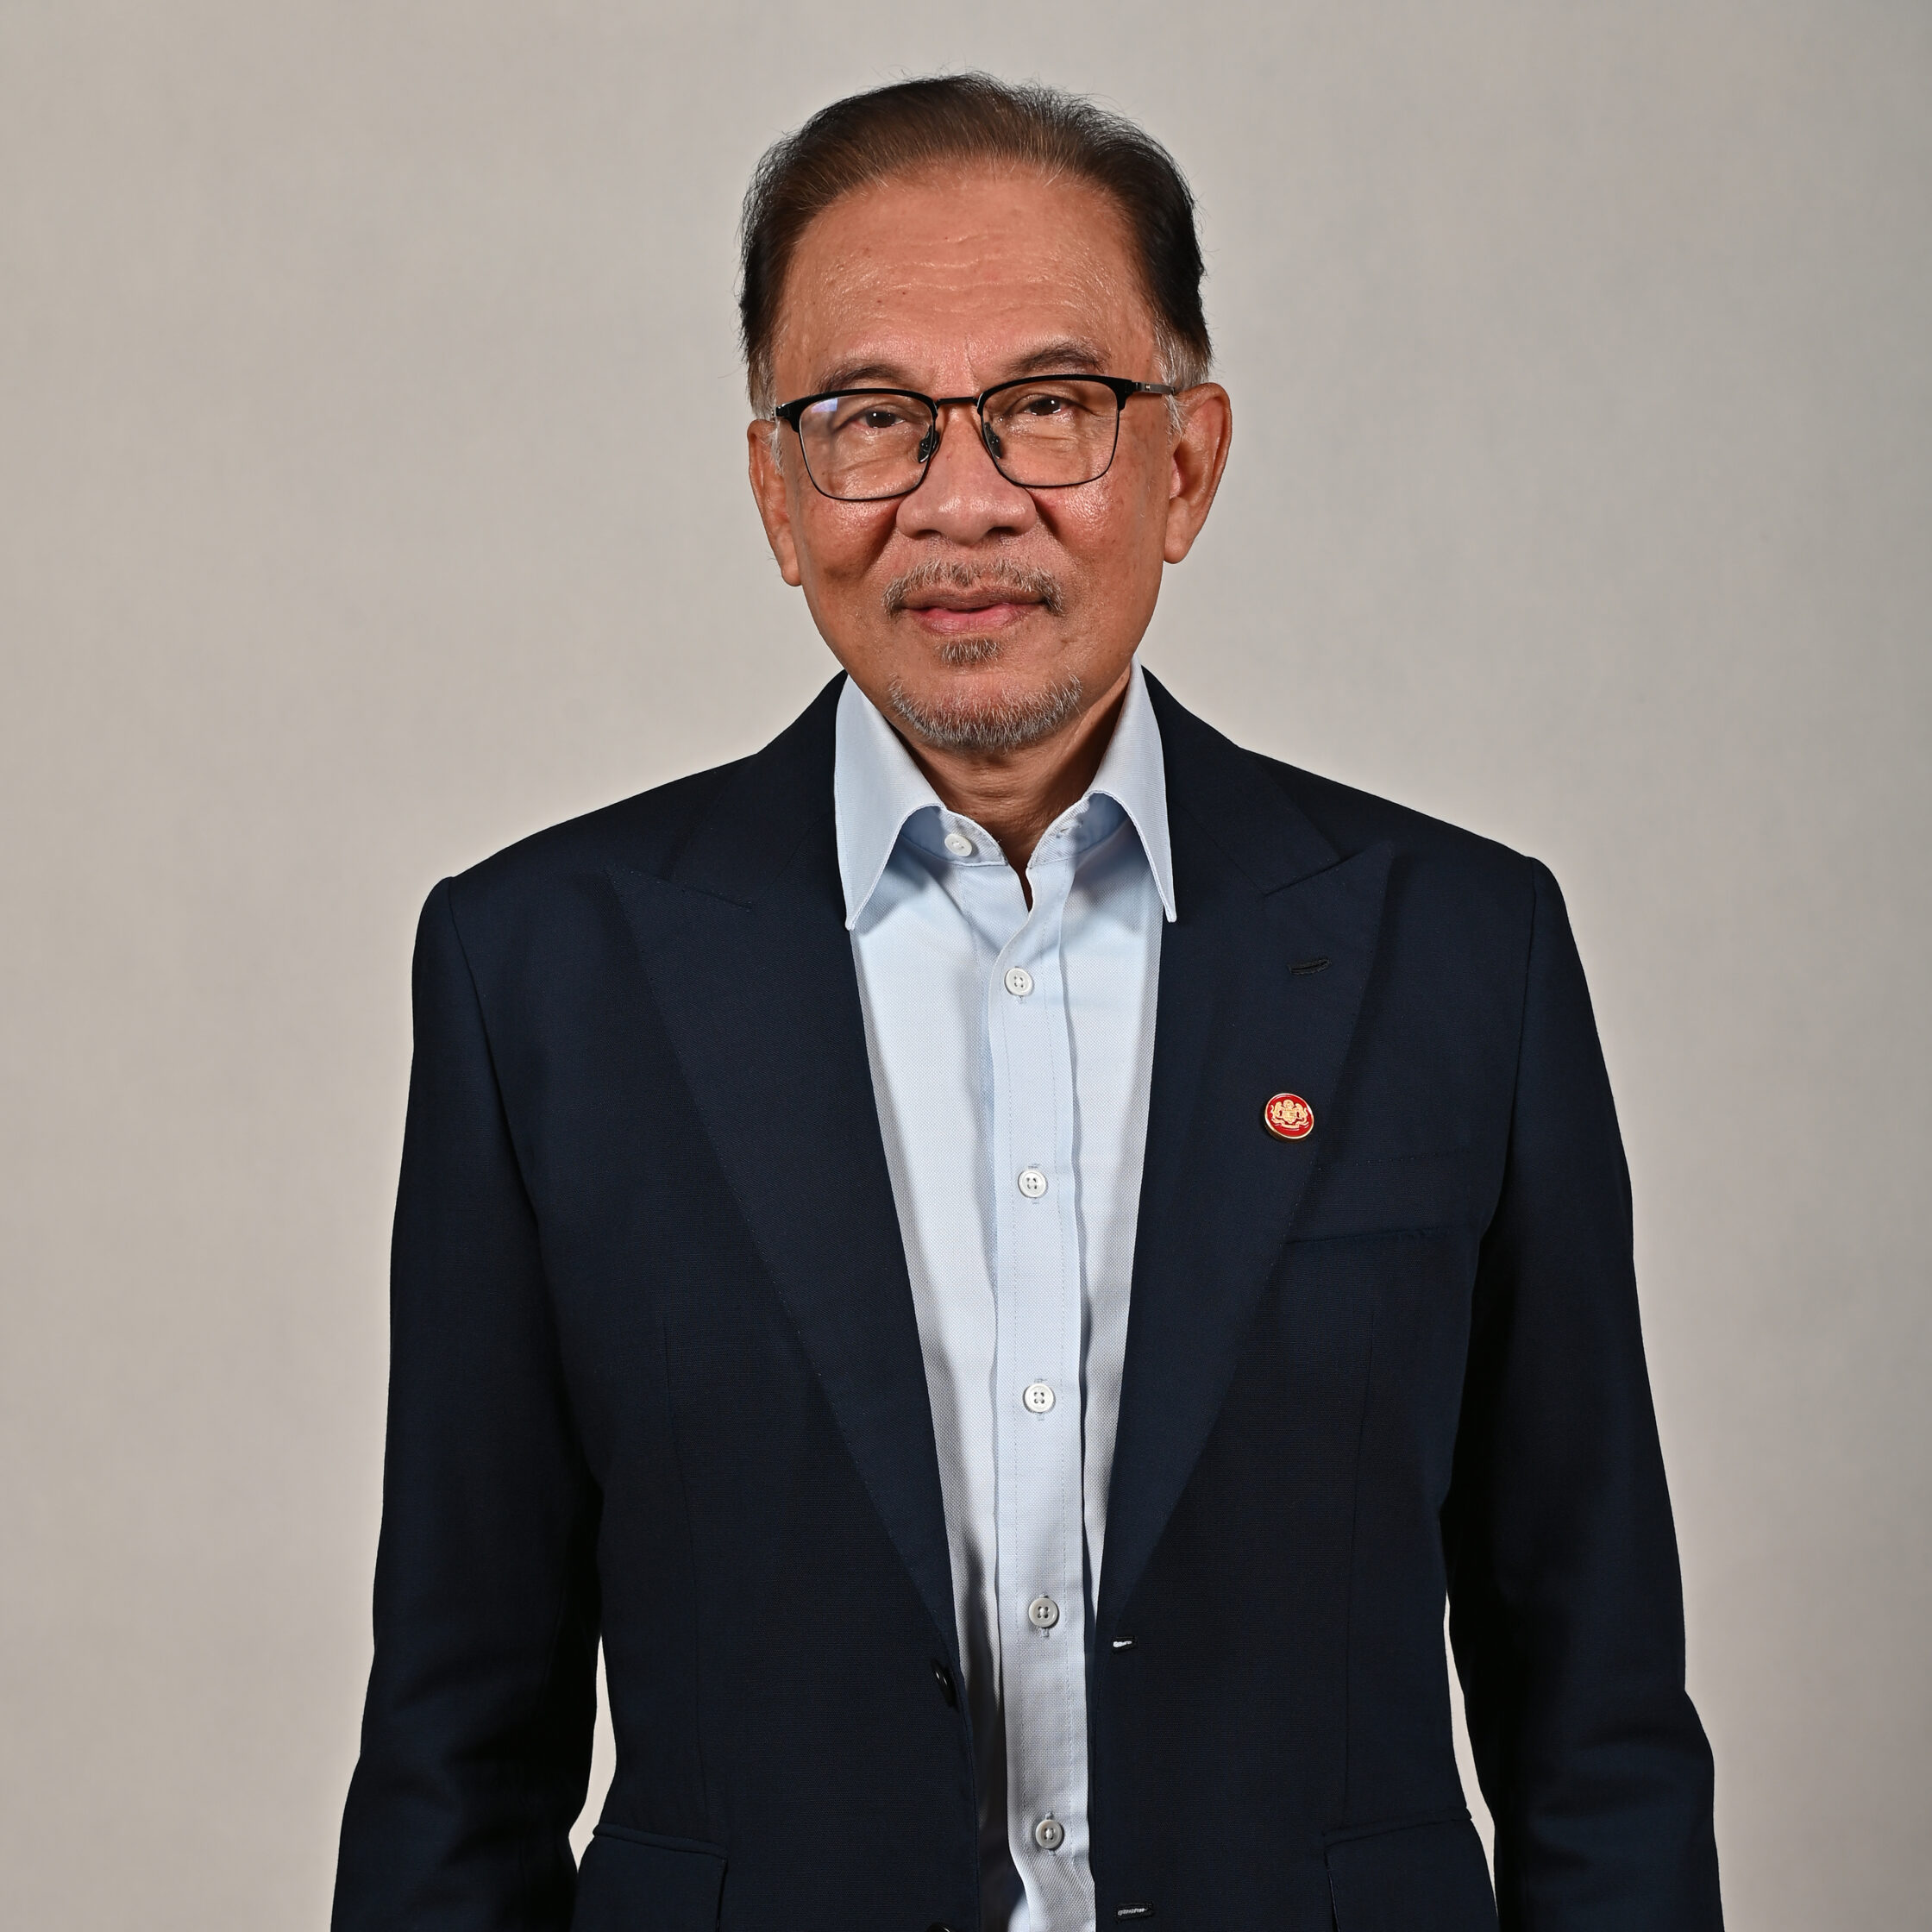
371,494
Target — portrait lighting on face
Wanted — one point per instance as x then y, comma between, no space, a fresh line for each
978,509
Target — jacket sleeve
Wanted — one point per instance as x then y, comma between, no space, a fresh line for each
476,1735
1566,1606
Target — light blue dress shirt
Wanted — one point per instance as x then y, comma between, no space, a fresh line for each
1010,1053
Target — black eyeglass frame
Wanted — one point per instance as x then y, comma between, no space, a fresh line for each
1124,387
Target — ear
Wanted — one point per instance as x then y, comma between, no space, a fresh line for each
1198,457
769,492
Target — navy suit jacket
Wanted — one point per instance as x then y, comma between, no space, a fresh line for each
656,1378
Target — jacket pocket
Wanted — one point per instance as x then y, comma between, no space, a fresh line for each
1429,1877
1407,1195
632,1882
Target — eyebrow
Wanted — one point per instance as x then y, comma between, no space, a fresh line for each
1069,355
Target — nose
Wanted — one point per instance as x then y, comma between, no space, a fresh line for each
963,497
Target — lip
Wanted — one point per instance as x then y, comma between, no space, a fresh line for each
949,613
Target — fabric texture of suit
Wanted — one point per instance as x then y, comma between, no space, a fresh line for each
656,1377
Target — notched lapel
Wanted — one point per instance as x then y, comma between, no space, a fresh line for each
1234,1025
758,993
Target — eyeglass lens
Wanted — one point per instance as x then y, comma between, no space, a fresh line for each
1044,435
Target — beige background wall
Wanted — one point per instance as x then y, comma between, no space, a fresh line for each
370,495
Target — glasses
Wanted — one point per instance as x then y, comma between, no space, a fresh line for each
1042,432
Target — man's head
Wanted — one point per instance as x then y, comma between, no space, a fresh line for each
939,238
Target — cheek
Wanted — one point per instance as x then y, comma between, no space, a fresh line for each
1114,529
839,543
1131,497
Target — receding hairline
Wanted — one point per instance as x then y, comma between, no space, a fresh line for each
941,171
944,125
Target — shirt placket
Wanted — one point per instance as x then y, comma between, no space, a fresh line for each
1041,1527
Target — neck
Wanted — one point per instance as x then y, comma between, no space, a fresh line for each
1016,795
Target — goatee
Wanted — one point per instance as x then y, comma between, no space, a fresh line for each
1000,720
1004,719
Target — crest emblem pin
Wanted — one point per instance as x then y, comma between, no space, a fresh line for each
1289,1117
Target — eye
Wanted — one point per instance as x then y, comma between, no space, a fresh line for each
1059,406
867,416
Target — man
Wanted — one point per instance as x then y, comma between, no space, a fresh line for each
1003,1252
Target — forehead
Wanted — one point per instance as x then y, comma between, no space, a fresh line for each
944,278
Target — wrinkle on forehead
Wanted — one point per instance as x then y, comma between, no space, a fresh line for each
947,275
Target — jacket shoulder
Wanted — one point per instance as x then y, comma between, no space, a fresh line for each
649,833
1477,897
1318,821
1352,820
548,890
644,832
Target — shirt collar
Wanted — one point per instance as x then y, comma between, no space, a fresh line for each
876,787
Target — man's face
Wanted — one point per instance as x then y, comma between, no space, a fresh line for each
979,615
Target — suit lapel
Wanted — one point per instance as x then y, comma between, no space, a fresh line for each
1260,890
742,939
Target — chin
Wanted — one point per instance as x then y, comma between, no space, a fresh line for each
970,715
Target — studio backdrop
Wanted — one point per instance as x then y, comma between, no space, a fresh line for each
372,493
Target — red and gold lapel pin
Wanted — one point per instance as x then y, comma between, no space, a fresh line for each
1289,1117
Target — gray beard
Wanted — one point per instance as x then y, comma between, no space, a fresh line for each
1008,721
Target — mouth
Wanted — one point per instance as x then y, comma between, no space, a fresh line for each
957,616
952,600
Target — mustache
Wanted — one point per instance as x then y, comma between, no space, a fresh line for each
1001,579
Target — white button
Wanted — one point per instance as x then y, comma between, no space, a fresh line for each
1050,1834
1032,1182
1043,1613
1019,982
1038,1397
959,845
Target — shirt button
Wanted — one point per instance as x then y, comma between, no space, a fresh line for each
959,845
1019,982
1043,1613
1038,1397
1050,1834
1032,1182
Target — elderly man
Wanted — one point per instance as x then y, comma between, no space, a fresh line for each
1005,1254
